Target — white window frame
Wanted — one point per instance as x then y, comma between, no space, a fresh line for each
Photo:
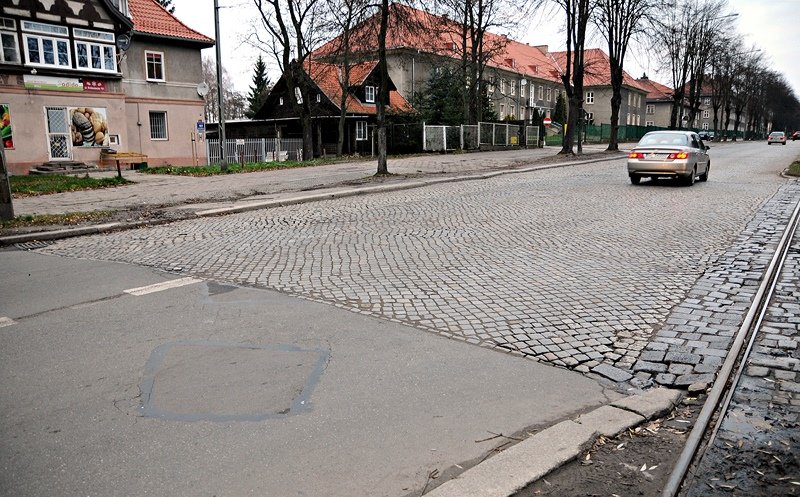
589,117
8,31
706,114
549,93
361,130
707,101
705,126
503,86
512,88
638,119
541,92
369,95
589,97
280,101
502,111
649,123
41,32
122,5
651,109
161,65
512,111
90,38
521,90
153,113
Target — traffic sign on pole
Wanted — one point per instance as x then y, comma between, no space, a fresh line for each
547,121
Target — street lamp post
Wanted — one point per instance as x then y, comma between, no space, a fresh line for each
223,161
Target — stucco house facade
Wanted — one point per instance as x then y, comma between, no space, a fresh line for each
80,77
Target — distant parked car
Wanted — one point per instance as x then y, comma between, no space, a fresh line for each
776,137
669,154
795,135
706,135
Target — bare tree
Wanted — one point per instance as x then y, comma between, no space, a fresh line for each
475,46
577,16
619,21
383,89
685,36
293,29
344,16
233,101
722,67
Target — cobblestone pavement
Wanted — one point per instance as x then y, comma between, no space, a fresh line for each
757,450
573,266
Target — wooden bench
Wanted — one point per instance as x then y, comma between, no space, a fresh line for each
119,157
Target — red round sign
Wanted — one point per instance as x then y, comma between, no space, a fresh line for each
547,121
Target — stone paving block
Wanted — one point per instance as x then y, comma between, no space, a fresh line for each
688,379
612,373
682,358
652,356
649,367
665,379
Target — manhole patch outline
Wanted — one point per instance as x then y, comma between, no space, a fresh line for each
301,403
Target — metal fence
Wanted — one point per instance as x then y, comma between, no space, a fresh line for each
471,137
532,136
249,150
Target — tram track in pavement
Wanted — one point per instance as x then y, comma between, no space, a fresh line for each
688,477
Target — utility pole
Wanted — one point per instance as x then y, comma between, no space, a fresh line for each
6,207
223,160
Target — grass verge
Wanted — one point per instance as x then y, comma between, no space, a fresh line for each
794,169
214,169
70,218
26,186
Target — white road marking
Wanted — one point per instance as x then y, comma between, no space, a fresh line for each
4,321
166,285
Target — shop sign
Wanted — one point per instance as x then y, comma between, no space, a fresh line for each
94,85
36,82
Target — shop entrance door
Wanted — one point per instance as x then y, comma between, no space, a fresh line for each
58,133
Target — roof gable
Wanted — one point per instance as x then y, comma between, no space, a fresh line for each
150,18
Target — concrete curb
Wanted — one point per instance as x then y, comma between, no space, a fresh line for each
510,471
102,228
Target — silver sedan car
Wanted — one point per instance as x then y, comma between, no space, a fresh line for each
669,154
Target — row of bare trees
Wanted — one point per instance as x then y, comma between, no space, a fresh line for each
694,45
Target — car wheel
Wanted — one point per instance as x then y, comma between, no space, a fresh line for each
689,180
635,179
704,176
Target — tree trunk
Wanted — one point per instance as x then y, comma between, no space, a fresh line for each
383,91
616,102
308,136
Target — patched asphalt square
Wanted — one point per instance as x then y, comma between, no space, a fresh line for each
203,381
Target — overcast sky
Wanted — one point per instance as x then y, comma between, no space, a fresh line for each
769,24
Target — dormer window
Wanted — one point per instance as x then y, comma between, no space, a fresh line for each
369,94
122,6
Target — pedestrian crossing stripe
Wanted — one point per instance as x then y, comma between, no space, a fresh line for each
158,287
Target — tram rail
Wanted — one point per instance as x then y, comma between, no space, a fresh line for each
719,398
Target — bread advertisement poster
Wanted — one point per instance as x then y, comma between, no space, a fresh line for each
89,127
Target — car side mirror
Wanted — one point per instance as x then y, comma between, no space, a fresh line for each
708,147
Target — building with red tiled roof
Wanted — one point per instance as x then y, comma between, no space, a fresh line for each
659,102
122,75
598,92
519,77
277,117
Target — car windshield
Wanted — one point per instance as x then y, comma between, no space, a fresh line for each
664,139
777,133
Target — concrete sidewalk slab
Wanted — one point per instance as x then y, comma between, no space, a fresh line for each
508,472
